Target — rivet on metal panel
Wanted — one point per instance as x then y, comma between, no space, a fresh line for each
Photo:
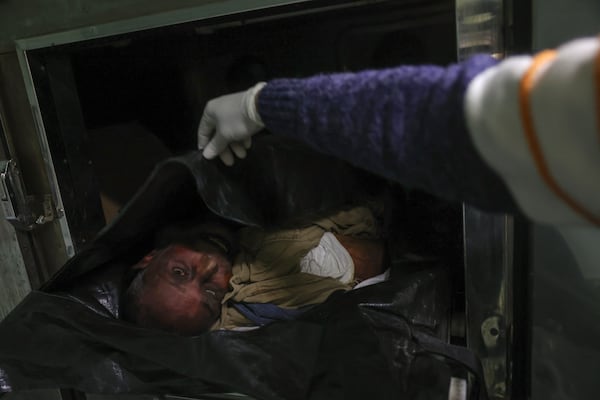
491,331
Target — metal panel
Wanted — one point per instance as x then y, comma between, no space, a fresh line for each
23,19
77,190
498,309
141,20
488,261
496,278
479,27
43,249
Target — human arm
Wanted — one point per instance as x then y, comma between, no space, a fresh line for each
486,134
405,123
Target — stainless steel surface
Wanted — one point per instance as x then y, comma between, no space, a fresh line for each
488,239
480,27
488,272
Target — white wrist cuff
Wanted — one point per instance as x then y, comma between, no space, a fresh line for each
551,162
250,103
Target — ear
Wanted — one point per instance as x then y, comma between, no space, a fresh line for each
143,263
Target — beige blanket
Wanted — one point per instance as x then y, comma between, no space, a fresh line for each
267,269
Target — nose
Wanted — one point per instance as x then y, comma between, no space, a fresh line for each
208,268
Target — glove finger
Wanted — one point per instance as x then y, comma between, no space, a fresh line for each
206,128
248,142
238,149
216,146
227,157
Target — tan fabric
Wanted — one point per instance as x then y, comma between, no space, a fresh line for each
267,269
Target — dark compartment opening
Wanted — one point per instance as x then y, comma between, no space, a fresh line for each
129,101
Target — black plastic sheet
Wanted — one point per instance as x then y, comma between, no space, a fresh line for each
376,342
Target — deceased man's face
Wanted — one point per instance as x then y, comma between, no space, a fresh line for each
183,288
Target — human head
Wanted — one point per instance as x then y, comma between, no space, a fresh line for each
178,287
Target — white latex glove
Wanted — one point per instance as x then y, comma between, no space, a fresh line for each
228,123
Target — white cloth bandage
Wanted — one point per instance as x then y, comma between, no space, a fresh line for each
330,260
557,181
249,101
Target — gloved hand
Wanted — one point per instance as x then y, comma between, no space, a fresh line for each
228,123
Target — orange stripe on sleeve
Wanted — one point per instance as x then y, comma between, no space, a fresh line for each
526,85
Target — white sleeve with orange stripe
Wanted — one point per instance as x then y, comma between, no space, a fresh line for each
536,122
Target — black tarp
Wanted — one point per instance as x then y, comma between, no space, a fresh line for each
377,342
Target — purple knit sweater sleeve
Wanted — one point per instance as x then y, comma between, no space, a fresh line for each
406,124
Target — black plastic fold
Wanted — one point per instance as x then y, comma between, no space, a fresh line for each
357,345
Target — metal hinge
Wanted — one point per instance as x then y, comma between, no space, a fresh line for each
24,212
